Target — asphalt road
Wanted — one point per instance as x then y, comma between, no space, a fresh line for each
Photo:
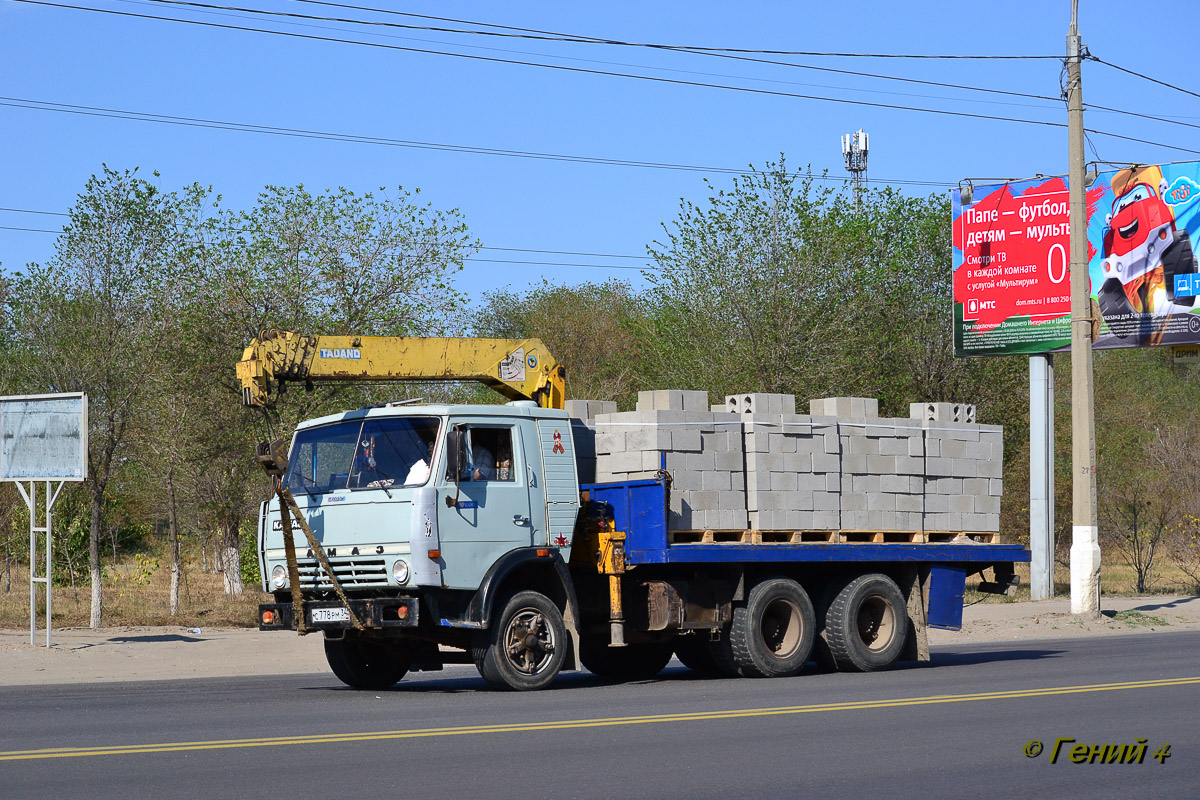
955,727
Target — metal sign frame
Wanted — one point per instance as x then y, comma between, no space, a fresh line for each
30,496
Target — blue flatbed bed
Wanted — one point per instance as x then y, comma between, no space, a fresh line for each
640,510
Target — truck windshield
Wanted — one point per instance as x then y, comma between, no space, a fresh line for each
364,454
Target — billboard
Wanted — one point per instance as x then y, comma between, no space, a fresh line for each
1012,253
43,437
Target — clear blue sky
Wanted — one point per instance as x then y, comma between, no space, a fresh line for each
77,57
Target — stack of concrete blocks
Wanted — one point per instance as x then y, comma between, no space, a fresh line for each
921,473
701,449
754,463
963,477
792,465
583,429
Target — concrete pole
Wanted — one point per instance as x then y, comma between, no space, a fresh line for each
1085,543
1041,476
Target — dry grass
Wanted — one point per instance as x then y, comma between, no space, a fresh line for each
137,593
1117,579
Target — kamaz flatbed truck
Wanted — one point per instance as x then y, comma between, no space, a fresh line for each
434,534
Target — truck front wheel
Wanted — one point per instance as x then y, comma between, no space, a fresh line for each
526,644
772,634
866,624
366,664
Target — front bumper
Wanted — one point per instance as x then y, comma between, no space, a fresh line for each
375,613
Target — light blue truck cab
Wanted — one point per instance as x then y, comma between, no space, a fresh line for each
461,534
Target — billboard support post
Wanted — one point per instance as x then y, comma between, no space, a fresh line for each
1085,544
30,498
1041,476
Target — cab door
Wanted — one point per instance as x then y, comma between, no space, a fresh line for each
492,512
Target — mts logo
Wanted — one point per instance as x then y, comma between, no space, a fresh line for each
973,307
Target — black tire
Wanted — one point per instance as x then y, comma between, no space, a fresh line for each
1115,305
721,652
633,662
526,644
772,634
696,653
366,664
867,624
1178,259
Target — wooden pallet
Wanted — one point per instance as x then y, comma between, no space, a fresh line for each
831,537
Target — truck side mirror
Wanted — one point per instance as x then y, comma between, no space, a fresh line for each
456,450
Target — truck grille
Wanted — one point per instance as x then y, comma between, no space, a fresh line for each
352,573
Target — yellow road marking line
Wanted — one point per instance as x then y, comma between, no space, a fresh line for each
228,744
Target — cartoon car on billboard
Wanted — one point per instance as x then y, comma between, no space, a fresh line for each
1143,252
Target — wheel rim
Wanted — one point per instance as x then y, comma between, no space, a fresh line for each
782,628
876,623
529,642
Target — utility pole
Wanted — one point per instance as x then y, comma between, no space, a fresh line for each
854,151
1085,543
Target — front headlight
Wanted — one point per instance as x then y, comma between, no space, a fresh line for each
279,576
400,571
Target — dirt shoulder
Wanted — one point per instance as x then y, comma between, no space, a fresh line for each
81,655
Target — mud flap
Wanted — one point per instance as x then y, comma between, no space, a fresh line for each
915,585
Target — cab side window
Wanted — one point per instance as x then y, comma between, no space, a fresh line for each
489,455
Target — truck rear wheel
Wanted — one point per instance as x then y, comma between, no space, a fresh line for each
366,664
633,662
526,644
698,653
866,624
772,634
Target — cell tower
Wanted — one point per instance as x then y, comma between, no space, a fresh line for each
854,150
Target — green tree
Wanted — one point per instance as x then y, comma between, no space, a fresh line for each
589,327
86,320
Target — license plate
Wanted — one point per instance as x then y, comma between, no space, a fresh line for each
331,614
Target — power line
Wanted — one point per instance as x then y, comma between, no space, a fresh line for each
591,40
561,67
469,259
599,40
1144,77
242,127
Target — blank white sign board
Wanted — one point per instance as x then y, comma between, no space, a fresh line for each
43,437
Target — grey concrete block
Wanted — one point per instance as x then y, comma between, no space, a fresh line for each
942,412
695,401
910,503
860,446
610,442
731,501
863,483
685,439
975,486
987,505
704,501
716,481
701,462
650,437
895,483
852,464
990,469
826,462
881,501
728,461
881,465
961,504
995,487
812,482
937,504
854,502
833,482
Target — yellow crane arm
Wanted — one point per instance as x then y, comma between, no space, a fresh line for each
520,369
